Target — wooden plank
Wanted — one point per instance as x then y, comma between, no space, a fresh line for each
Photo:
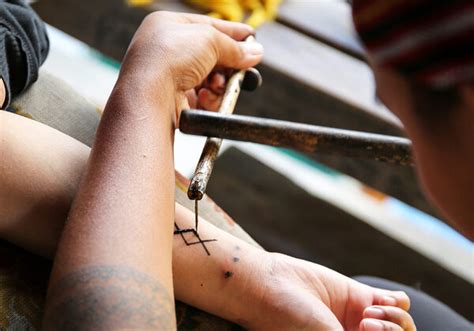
324,68
329,21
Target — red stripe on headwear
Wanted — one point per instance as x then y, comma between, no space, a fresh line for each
370,13
449,73
431,20
423,52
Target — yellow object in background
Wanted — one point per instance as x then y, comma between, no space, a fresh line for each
256,12
230,10
259,11
138,3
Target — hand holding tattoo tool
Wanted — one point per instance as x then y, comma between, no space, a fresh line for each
247,79
299,136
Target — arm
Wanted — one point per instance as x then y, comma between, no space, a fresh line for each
114,256
113,263
24,46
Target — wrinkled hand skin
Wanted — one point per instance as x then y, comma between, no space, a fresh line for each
299,295
185,48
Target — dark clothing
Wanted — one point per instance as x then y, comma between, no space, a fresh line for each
431,41
23,46
428,313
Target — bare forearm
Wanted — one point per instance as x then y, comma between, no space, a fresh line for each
121,221
226,283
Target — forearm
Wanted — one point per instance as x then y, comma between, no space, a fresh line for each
228,282
122,217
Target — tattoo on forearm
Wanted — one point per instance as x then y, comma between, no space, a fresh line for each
200,241
109,297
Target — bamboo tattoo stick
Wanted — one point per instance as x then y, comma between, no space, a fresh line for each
203,171
302,137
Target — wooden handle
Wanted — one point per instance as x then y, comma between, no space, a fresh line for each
203,171
303,137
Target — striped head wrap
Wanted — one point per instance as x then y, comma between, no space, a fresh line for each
430,40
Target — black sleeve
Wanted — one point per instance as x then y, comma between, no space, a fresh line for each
23,46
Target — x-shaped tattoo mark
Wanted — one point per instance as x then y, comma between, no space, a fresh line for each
181,232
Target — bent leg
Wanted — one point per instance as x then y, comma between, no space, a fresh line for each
428,313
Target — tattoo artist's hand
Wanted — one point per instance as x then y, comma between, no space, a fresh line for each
183,49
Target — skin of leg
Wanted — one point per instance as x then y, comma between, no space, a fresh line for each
254,288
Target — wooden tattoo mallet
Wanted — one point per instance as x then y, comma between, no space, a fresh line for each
247,79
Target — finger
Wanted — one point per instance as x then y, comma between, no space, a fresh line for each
216,83
182,103
208,100
370,324
192,98
392,298
237,55
235,30
392,314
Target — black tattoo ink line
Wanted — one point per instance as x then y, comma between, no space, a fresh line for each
106,297
196,214
181,232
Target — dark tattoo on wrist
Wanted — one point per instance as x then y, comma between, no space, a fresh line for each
200,241
108,297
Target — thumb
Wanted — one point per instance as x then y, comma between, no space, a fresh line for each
237,54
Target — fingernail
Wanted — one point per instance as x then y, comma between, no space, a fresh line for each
374,312
371,325
389,301
252,48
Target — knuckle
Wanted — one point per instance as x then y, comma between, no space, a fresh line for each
207,30
158,16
